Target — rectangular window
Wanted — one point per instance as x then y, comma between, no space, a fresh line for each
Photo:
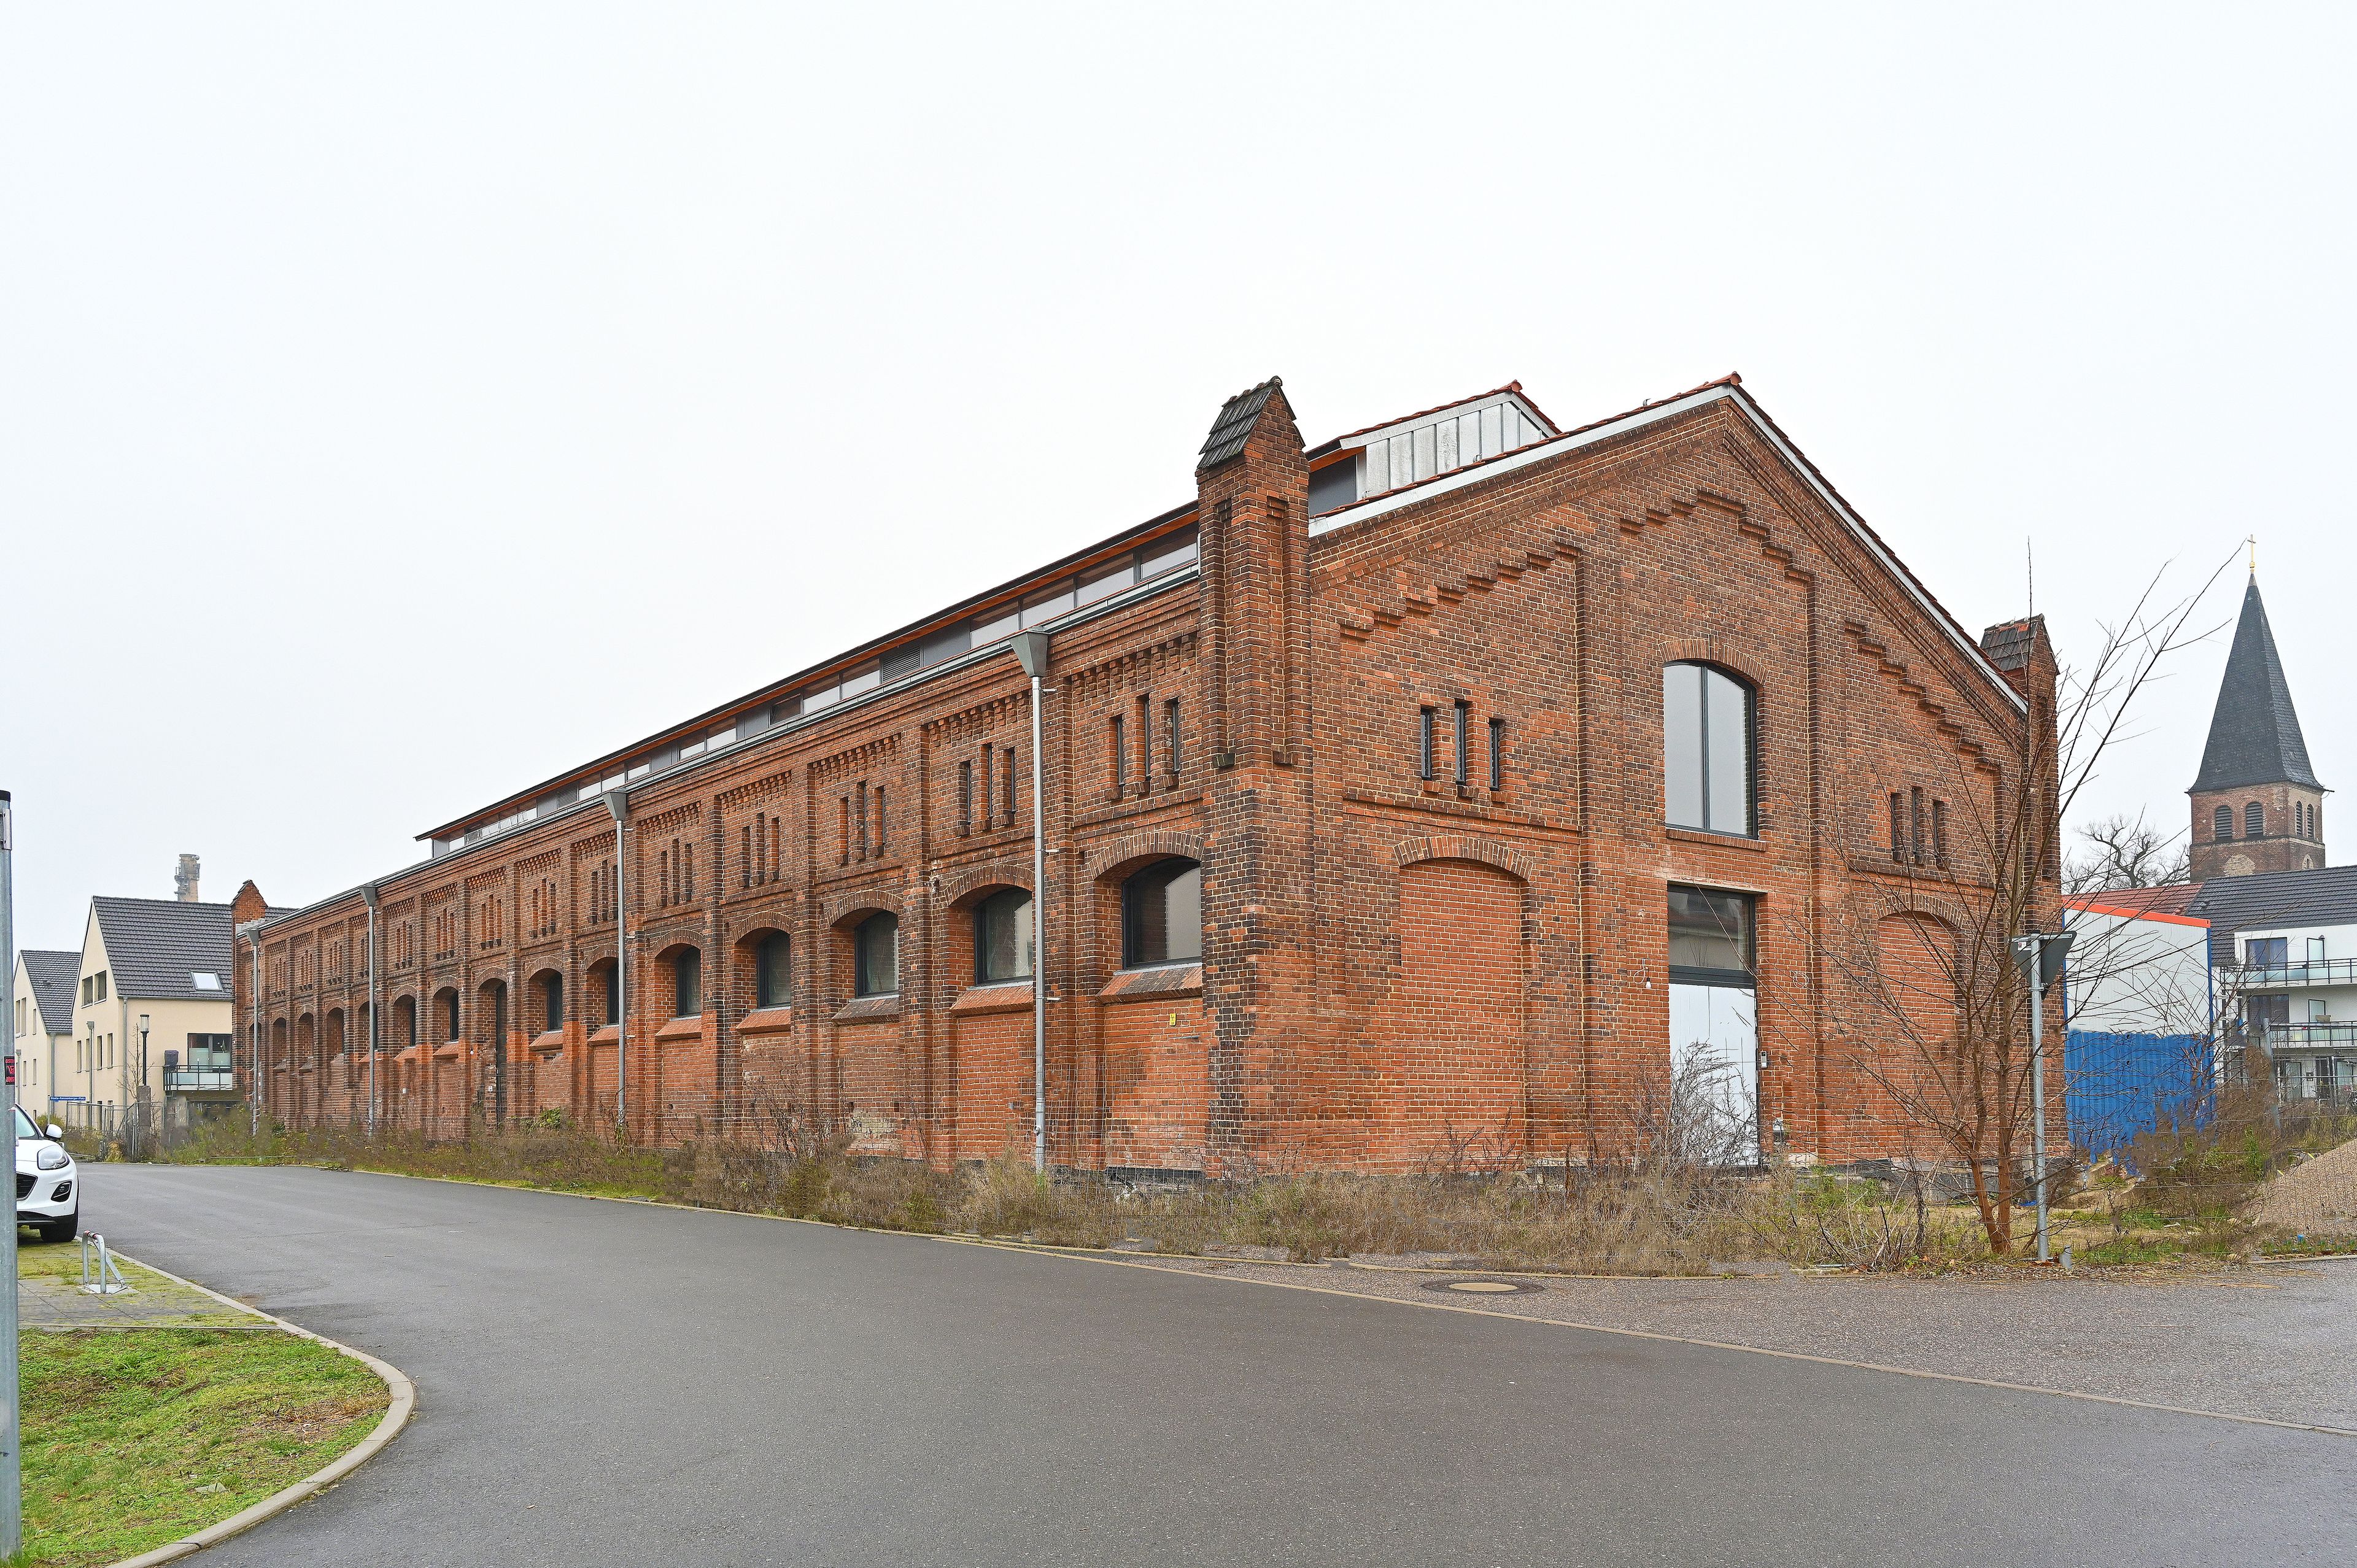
965,797
1424,745
1463,740
1170,737
1711,936
101,985
1117,744
1497,755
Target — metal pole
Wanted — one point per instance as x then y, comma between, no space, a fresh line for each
11,1512
254,1095
1038,951
369,894
1031,652
618,802
2033,945
144,1130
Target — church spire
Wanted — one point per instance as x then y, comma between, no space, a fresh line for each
2257,804
2254,734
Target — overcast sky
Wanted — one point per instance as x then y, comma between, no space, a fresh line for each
399,404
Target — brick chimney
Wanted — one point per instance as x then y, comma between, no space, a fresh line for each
185,879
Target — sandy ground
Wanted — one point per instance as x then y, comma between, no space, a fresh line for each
2315,1195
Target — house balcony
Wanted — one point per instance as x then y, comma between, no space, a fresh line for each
2249,978
198,1080
2315,1036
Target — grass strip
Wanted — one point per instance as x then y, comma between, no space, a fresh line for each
135,1438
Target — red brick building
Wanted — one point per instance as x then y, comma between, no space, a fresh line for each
1404,792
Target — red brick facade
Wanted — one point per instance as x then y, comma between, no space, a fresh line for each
1393,965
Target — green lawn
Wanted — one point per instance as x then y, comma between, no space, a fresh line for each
125,1431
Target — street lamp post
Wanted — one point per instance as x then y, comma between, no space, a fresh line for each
12,1520
2040,955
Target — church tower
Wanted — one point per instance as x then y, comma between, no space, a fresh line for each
2257,803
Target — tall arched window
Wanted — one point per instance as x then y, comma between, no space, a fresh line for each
1002,937
875,954
2222,823
551,1001
773,971
2254,821
687,983
1706,753
1162,914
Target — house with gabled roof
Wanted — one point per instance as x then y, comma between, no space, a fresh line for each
1429,793
43,1022
151,1022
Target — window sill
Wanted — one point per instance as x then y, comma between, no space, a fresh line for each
449,1052
688,1028
549,1043
1151,984
865,1009
1723,840
1006,996
610,1035
767,1021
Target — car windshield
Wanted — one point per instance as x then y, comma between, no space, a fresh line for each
24,1128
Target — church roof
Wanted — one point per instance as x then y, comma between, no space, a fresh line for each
2255,735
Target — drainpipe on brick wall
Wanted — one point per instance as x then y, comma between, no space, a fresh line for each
369,894
617,802
1031,652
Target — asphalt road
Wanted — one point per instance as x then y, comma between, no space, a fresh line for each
616,1383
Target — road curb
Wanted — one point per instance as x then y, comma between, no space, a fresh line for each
400,1407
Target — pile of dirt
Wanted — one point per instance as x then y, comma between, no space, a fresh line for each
2317,1196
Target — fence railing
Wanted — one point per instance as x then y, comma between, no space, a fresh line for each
2286,976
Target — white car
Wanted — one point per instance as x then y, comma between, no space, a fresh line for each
48,1188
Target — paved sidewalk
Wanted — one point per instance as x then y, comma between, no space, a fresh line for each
49,1296
2240,1343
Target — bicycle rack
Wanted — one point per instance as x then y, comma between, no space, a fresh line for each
105,1279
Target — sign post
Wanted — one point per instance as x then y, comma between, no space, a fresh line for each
2040,955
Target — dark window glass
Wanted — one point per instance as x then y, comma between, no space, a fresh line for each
1710,936
1424,743
613,989
1162,914
2222,823
1463,740
2254,825
687,984
876,953
450,1014
1119,755
773,971
1497,755
1706,749
551,999
1170,736
1002,937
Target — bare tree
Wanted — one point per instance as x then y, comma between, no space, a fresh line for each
2122,852
1928,948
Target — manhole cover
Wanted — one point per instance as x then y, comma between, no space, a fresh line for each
1483,1287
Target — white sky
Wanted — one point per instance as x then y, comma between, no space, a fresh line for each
398,408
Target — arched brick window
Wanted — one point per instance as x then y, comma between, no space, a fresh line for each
1002,937
875,956
1162,914
1707,750
2222,823
687,984
2254,821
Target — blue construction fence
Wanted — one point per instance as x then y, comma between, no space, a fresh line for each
2116,1086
